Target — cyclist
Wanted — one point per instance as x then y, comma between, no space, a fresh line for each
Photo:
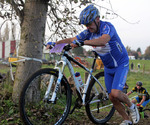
106,42
143,97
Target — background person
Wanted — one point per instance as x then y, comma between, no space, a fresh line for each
132,66
139,66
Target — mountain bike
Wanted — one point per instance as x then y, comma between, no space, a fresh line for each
47,98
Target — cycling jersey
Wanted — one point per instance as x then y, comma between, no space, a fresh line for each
114,53
141,92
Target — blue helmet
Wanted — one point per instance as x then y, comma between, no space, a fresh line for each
88,15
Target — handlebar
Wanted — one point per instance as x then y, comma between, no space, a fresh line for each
67,47
59,48
63,46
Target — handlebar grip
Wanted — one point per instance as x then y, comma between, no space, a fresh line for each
67,47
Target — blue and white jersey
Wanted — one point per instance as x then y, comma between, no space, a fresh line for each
113,53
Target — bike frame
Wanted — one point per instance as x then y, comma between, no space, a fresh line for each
66,61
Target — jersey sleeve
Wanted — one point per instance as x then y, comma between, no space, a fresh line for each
83,35
133,90
108,29
144,92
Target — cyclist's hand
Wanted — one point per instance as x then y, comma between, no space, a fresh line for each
73,45
79,43
50,45
137,104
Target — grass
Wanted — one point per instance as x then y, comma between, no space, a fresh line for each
9,113
134,77
144,64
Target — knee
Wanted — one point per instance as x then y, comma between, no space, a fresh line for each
114,95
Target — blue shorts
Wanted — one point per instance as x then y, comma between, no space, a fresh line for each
144,103
115,78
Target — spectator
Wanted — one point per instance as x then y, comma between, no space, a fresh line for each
132,66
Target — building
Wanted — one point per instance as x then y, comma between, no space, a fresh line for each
9,38
8,47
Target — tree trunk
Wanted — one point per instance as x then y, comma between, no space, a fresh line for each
32,36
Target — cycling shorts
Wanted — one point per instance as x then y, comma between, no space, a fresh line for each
144,103
115,78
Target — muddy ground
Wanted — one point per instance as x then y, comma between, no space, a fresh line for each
115,120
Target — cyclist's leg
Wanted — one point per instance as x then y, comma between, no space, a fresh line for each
120,77
145,103
116,95
146,110
135,100
109,77
108,81
117,103
118,84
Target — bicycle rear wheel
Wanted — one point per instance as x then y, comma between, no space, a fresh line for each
34,110
99,109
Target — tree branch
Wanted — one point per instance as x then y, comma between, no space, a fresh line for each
20,13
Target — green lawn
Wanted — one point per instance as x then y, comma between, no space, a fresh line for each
145,64
132,78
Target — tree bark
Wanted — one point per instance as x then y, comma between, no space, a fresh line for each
32,36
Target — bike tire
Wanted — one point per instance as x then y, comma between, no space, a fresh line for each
146,113
146,110
35,111
99,109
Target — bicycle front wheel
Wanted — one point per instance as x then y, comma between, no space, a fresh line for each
34,110
146,113
99,108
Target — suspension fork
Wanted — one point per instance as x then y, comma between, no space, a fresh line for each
60,76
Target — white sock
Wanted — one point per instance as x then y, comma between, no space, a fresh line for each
132,106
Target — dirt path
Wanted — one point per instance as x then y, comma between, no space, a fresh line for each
115,120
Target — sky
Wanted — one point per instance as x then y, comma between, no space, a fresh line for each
133,34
